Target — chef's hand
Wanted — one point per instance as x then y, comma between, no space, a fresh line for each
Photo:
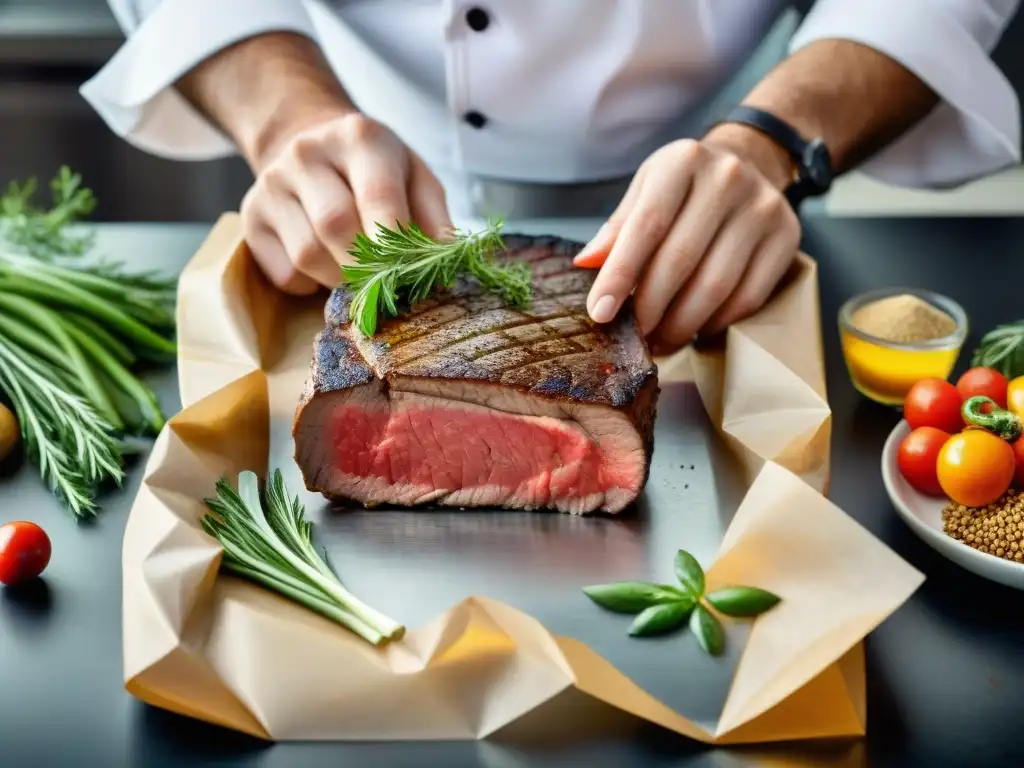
701,237
326,180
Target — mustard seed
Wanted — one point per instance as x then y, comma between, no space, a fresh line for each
996,529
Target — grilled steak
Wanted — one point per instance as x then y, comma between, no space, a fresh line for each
463,401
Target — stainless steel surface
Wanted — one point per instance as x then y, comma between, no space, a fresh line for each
516,200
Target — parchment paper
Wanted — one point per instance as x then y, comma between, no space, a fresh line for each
228,652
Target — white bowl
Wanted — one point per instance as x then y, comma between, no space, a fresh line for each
924,516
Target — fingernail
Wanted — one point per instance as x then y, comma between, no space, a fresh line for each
603,310
584,255
591,260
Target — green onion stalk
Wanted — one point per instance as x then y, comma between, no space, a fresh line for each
274,548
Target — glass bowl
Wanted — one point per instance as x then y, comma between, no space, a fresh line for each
885,370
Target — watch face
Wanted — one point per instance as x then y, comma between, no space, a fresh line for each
818,164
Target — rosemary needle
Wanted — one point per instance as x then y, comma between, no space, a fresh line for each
405,263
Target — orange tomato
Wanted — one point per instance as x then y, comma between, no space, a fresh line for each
975,467
1015,396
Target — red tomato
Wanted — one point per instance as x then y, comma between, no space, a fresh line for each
985,382
934,403
1018,455
24,552
918,458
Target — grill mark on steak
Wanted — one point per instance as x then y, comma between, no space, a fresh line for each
444,346
546,359
518,344
541,366
400,340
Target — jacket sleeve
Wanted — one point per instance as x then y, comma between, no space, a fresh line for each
134,92
975,129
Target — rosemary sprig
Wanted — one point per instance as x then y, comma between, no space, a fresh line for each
274,548
1002,349
74,448
43,233
405,263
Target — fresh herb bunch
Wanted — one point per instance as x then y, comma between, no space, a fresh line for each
662,607
270,542
70,333
405,262
1002,349
43,233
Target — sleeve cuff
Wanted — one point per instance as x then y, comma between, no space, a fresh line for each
134,92
975,130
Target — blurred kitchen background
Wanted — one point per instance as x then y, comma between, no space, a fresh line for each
49,47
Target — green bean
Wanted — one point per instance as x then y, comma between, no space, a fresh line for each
50,322
114,345
139,392
47,287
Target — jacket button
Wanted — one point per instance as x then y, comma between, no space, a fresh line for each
475,119
477,19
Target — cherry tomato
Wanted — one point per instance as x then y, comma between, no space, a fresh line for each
983,381
1015,396
24,552
1018,453
934,403
918,459
975,467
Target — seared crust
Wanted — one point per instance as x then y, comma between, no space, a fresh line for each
551,348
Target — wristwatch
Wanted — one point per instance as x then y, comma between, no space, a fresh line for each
811,156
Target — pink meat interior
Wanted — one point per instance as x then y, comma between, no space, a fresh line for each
423,448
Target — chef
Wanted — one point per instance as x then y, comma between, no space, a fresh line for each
355,112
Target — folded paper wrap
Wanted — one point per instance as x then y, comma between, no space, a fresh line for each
224,651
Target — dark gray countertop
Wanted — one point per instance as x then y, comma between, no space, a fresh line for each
945,686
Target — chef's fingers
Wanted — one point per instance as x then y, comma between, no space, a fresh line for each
331,210
378,179
427,202
713,199
713,281
773,258
665,186
265,242
595,253
304,248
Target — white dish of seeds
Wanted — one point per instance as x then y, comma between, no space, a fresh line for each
991,530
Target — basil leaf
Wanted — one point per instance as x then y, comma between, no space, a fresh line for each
689,573
742,601
632,596
661,618
708,630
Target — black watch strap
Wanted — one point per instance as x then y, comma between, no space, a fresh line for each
814,165
779,130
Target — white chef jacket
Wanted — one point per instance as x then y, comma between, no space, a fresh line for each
563,90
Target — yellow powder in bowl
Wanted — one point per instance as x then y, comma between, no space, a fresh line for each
903,319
